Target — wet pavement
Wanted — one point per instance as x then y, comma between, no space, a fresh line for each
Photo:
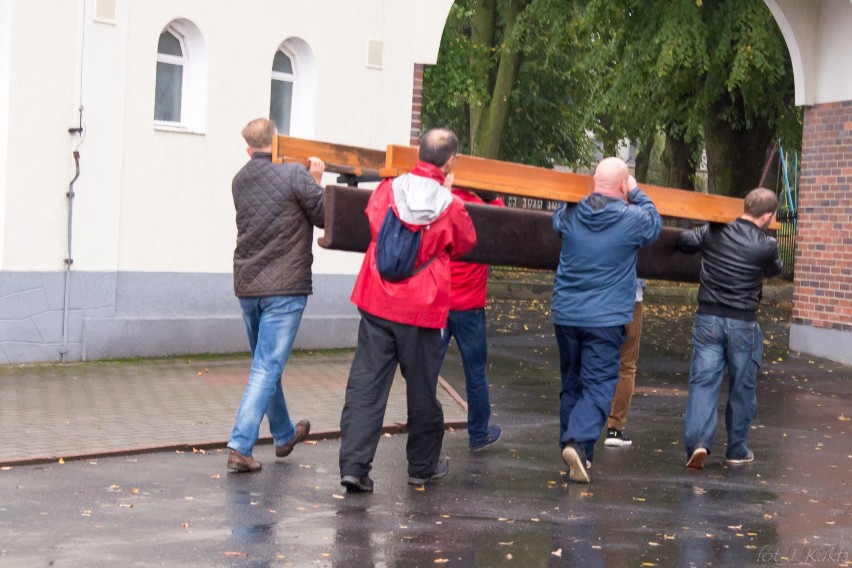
510,505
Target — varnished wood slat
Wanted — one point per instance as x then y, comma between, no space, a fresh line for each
543,183
338,158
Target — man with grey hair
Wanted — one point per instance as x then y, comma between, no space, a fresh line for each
401,320
735,258
277,207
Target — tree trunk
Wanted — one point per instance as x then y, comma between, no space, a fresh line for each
489,120
643,157
677,163
735,158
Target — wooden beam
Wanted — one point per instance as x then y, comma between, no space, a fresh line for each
502,177
338,158
543,183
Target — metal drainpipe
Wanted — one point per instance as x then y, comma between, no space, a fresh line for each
78,130
69,260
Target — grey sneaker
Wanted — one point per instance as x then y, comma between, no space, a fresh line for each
357,484
578,465
749,457
441,470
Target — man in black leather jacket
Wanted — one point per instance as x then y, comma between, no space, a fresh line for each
735,259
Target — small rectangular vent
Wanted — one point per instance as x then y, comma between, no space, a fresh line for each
375,49
105,11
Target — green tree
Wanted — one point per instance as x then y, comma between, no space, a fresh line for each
505,82
710,75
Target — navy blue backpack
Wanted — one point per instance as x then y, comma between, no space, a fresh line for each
396,249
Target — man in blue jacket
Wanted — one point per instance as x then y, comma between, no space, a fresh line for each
593,299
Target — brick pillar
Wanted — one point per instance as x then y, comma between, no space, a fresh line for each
822,297
416,104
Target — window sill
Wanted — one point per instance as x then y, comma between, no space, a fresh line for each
178,128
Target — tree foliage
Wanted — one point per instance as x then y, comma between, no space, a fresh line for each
505,81
529,80
712,75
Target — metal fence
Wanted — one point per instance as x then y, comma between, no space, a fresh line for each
787,242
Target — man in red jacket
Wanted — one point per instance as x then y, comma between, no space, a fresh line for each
401,321
466,322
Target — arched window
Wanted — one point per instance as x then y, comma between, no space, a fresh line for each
281,99
180,101
170,67
292,101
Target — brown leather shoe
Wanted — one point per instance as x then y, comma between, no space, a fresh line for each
303,428
239,463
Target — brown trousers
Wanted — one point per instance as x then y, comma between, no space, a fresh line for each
627,372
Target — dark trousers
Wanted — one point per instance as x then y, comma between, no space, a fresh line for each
588,362
382,345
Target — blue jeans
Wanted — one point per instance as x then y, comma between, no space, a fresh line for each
271,324
468,327
718,342
589,359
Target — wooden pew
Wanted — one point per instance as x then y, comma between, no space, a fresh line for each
507,236
502,177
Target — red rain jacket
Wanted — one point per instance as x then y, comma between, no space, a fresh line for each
420,200
468,280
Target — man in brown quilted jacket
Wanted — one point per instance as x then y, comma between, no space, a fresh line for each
277,207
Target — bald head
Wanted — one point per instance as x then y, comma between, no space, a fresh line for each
611,177
438,146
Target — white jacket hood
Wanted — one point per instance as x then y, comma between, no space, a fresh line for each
420,200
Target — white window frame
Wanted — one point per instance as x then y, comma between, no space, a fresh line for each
181,61
303,108
193,107
291,78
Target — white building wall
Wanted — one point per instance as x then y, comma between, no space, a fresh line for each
153,225
817,35
5,74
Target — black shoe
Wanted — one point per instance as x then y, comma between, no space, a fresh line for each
303,428
578,466
617,439
441,470
357,485
494,433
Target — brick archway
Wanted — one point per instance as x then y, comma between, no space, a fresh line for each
816,32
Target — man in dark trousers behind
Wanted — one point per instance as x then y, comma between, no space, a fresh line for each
594,295
401,321
735,258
